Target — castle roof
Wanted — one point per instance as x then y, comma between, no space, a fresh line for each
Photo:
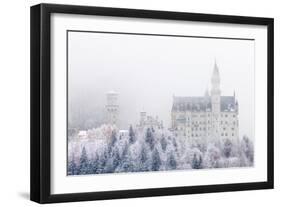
203,103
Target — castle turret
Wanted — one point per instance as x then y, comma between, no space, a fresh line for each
112,108
216,101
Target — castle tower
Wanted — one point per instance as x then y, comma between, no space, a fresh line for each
215,101
112,108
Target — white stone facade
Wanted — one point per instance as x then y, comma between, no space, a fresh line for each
211,116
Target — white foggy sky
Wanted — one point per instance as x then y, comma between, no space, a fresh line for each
147,70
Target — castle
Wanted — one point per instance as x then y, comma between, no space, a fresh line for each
112,113
210,116
149,121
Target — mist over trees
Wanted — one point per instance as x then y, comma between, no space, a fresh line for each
105,150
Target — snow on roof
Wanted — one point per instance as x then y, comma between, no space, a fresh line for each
202,103
123,130
82,133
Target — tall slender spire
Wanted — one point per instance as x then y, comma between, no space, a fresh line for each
215,78
216,74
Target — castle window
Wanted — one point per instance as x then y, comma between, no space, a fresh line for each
233,115
226,122
225,134
222,134
233,134
232,129
221,122
226,115
234,123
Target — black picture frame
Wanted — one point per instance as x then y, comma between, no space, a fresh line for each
41,102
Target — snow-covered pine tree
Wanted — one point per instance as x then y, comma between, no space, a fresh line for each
149,138
113,160
143,157
112,141
212,157
156,160
227,148
116,159
127,164
125,151
103,158
163,143
171,162
175,144
132,137
247,147
94,164
72,167
197,161
84,163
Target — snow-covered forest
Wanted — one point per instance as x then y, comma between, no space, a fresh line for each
107,150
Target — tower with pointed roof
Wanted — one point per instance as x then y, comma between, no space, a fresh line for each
211,116
216,101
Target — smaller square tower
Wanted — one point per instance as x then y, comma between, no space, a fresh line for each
112,108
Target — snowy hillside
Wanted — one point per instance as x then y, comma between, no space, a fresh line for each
107,150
